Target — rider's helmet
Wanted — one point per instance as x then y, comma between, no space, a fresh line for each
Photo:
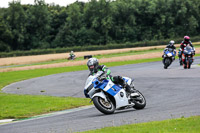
92,64
72,52
171,43
186,38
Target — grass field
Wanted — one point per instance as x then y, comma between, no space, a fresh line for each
23,106
100,56
180,125
62,57
96,56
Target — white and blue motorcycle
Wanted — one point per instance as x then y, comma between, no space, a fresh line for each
107,96
168,57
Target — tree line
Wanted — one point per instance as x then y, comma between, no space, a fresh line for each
97,22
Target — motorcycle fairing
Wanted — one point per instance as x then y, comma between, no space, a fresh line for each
108,86
120,99
114,90
169,53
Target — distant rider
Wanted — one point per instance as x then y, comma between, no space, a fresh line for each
72,55
171,45
94,67
185,43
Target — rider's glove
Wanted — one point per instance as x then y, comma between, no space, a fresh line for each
102,78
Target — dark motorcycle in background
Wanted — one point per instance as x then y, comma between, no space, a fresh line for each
188,52
168,57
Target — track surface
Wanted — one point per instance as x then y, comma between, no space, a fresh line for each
170,93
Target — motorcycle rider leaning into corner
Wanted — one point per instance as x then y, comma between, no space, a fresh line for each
171,45
94,67
185,43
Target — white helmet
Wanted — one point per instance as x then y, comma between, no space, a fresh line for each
92,64
171,43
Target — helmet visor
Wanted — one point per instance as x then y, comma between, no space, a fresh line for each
187,40
91,68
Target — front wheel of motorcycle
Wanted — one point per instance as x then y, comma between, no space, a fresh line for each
188,65
140,101
106,107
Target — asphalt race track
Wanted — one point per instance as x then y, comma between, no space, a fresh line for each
170,93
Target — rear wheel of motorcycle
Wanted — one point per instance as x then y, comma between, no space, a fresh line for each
185,65
141,102
106,107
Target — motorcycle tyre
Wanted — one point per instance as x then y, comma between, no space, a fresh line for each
185,64
188,65
166,65
139,105
181,62
101,107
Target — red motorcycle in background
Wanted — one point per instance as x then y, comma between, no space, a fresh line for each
188,52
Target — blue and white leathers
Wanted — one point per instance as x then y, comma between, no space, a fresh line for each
102,88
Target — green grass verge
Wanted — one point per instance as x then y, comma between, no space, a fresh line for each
23,106
180,125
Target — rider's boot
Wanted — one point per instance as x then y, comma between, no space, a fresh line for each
131,92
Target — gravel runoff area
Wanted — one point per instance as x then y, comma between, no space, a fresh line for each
49,57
